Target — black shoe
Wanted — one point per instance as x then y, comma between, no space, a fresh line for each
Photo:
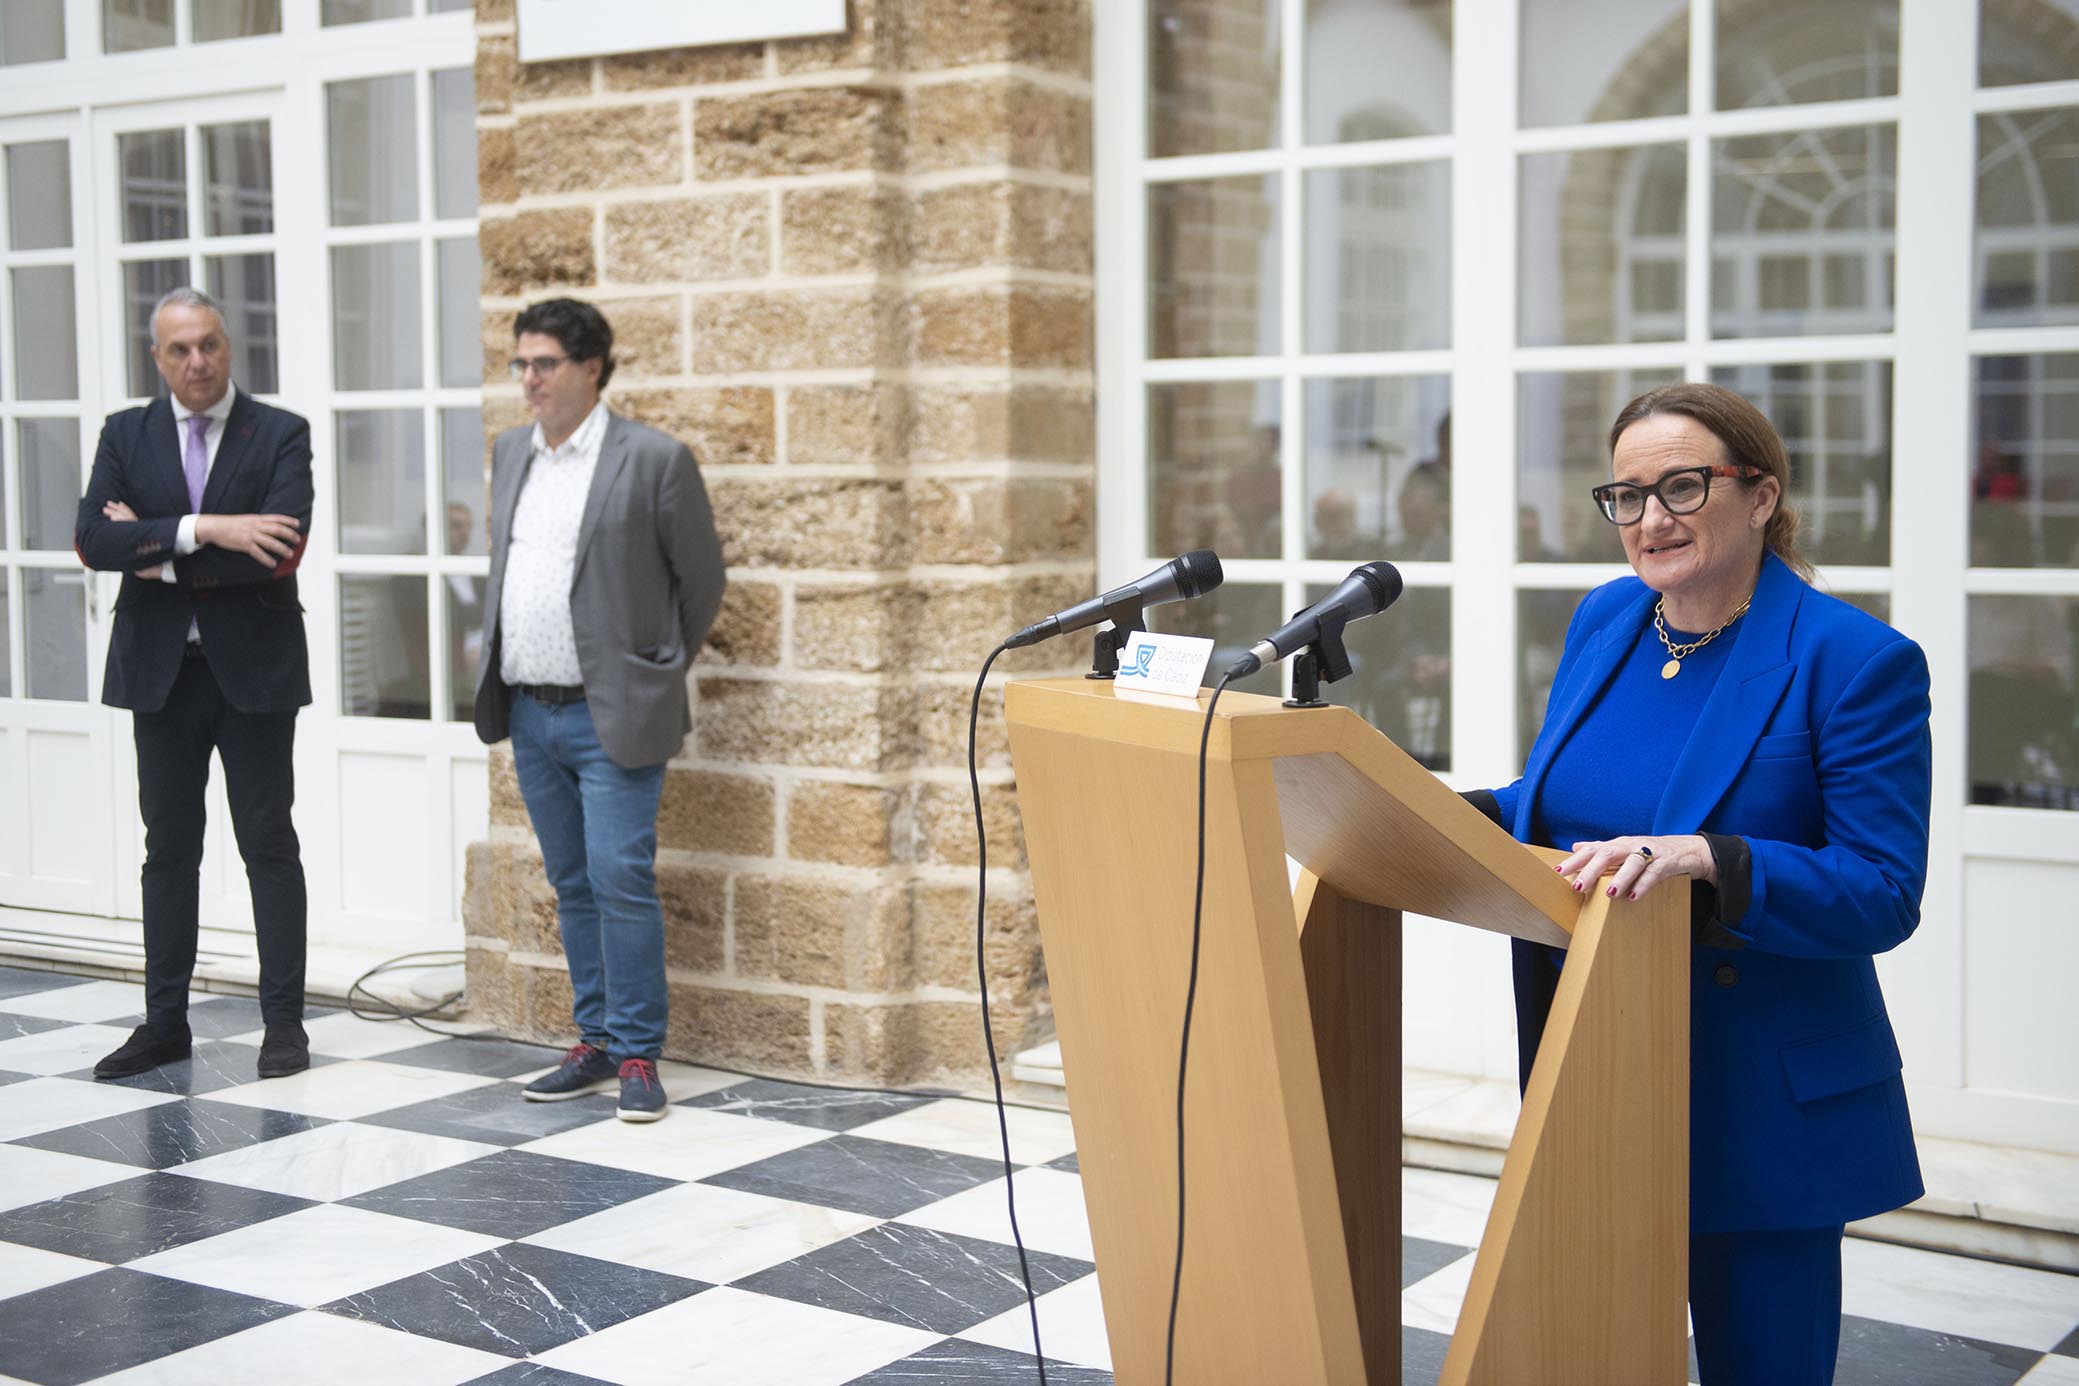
584,1069
145,1050
284,1051
642,1096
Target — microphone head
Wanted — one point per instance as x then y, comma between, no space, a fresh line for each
1382,580
1197,573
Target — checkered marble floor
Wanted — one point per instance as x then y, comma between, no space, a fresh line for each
398,1214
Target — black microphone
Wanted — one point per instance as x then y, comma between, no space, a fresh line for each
1369,590
1192,575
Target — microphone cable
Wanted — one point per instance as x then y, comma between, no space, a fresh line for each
1003,1125
1198,901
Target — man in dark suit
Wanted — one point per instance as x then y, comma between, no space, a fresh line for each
605,575
203,501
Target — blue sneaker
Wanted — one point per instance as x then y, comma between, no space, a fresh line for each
642,1096
584,1069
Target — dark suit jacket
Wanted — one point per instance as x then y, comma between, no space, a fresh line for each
249,616
1813,747
647,585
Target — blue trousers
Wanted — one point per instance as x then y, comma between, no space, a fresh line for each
1766,1306
597,824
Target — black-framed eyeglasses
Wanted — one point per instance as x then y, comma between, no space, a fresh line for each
522,366
1682,492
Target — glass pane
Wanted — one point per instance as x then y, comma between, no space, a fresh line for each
155,185
1601,257
463,481
48,451
359,11
375,317
244,286
1378,468
464,595
2027,259
226,19
39,195
382,481
6,642
54,630
382,647
1563,427
127,25
2038,43
31,31
1213,479
1400,673
46,342
454,143
1542,615
1835,421
1780,55
443,6
1802,230
145,282
1213,75
2023,705
2025,481
374,150
1378,258
238,199
461,324
1213,267
1377,69
1234,618
1637,64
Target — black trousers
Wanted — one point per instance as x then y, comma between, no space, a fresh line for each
173,750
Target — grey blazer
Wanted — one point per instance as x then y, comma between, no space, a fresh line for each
646,587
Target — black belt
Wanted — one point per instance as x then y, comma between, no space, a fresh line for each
554,694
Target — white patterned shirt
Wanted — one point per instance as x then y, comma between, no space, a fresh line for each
536,643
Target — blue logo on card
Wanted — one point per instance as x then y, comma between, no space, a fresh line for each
1143,660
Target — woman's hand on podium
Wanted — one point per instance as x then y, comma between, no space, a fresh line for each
1637,864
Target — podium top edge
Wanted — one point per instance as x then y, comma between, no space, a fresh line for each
1246,726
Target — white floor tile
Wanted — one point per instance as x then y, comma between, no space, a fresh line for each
1071,1326
347,1036
26,1268
335,1161
1051,1216
90,1002
29,1175
61,1051
688,1144
969,1128
741,1338
704,1233
356,1088
1420,1088
1952,1294
315,1350
1441,1207
45,1104
2052,1371
317,1255
1433,1303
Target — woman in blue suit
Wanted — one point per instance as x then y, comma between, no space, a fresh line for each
1716,717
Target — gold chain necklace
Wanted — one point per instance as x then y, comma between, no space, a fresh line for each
1678,653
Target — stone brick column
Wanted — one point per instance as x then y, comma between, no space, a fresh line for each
854,274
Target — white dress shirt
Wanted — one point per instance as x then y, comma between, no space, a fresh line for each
536,642
212,438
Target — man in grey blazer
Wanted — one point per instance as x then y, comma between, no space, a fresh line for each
605,576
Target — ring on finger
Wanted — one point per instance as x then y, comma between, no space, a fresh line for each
1646,852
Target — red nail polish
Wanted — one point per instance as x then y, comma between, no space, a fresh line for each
1633,896
1611,891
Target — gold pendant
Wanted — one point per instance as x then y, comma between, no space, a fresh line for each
1671,668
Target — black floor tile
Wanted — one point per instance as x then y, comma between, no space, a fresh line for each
2070,1346
1067,1163
882,1179
513,1193
914,1277
953,1362
136,1217
1874,1353
21,981
496,1114
492,1058
1422,1356
1421,1259
6,1078
116,1319
826,1109
518,1299
15,1026
175,1133
534,1374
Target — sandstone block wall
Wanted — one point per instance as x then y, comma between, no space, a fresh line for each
854,273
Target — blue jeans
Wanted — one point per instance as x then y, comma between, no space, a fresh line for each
597,824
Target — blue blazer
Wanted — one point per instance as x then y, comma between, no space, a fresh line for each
1814,748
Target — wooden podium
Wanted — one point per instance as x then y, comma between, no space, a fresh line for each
1292,1269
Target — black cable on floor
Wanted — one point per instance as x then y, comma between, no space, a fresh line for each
390,1010
1003,1126
1198,902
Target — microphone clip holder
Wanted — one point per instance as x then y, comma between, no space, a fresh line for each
1324,660
1126,618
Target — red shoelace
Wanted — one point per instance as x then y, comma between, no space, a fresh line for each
642,1068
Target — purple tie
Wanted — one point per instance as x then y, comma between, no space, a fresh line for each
196,464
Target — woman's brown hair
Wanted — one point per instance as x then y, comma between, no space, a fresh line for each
1749,440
